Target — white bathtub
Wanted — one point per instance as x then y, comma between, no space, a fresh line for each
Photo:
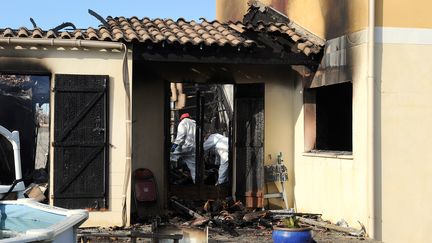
25,220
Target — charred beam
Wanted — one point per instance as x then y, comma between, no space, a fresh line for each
219,55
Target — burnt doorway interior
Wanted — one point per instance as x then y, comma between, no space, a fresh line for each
25,107
249,144
210,106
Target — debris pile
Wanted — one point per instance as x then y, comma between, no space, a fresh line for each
233,217
222,220
228,215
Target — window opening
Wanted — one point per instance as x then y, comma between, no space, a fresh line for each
25,107
330,108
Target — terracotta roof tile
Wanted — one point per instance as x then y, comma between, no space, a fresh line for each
8,33
65,35
37,33
78,34
23,32
51,34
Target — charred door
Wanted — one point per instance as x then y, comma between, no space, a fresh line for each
249,143
80,141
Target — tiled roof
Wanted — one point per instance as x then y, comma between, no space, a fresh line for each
306,43
146,30
183,32
180,31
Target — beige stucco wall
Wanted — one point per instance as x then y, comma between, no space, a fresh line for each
322,184
325,18
405,14
325,184
403,79
92,62
279,133
332,18
335,186
148,130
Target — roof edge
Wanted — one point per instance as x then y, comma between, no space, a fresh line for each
276,16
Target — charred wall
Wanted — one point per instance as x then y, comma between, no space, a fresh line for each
17,114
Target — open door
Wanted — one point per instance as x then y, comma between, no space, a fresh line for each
249,144
203,171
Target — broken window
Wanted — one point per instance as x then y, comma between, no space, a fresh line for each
24,107
328,118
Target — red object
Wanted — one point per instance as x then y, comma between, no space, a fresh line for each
185,115
145,185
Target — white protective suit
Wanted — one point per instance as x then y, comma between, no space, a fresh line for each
220,144
186,144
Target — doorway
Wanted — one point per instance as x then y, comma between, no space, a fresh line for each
249,144
237,113
200,158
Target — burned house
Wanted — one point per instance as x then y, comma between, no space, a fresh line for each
117,91
356,137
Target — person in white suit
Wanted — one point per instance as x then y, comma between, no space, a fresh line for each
184,144
219,143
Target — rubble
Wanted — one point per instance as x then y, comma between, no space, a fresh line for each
227,215
231,218
222,221
249,217
347,230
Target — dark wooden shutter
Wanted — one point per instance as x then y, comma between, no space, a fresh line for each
80,141
249,144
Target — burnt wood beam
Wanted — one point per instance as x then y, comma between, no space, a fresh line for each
266,40
222,55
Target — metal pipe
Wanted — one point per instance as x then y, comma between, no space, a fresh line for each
128,120
371,120
61,43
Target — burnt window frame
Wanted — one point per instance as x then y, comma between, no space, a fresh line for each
39,73
314,116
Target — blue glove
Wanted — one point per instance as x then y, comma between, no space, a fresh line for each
173,147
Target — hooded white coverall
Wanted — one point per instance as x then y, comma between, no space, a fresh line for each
186,144
220,144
